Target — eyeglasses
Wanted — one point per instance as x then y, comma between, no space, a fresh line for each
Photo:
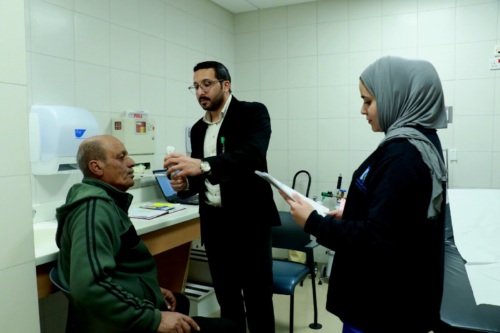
205,86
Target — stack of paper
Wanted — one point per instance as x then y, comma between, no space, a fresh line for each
166,206
149,210
322,210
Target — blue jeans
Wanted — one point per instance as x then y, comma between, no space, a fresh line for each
349,329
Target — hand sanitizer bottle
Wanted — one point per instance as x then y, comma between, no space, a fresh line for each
170,149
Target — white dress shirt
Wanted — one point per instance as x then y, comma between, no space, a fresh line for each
210,149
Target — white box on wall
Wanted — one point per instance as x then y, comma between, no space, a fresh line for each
56,132
136,130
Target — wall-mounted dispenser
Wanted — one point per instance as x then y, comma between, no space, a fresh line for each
136,129
55,134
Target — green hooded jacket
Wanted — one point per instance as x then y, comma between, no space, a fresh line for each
108,270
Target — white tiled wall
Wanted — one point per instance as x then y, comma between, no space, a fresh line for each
302,61
109,56
18,296
313,53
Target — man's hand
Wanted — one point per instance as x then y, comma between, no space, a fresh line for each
178,183
175,322
186,166
169,299
299,208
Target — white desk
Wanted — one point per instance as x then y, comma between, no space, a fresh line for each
168,238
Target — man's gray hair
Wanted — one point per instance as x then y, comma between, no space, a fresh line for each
90,149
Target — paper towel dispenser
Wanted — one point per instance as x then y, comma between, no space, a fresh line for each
55,134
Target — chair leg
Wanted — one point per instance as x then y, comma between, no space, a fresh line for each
291,313
315,325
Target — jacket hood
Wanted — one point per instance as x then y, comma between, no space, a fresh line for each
87,190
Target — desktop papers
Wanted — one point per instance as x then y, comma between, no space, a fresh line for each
322,210
166,206
151,210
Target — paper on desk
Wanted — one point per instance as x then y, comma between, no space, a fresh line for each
148,214
166,206
289,191
143,213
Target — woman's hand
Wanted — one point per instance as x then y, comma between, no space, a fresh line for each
337,213
300,209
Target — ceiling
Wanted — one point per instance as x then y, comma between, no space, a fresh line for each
241,6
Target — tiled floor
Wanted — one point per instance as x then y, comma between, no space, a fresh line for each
303,314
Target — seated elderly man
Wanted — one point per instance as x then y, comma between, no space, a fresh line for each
109,272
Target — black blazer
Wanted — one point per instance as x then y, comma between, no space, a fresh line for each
246,131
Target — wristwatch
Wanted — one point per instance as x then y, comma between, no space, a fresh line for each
205,167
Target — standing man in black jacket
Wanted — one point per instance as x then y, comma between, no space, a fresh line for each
228,144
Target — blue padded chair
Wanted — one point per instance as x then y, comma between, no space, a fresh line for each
288,274
54,278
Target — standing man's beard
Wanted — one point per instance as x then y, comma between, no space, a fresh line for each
214,104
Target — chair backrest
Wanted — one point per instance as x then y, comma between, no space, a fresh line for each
78,319
293,237
54,278
308,180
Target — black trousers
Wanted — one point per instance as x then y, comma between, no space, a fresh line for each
207,325
240,259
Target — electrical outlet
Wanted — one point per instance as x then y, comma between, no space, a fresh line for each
453,155
495,63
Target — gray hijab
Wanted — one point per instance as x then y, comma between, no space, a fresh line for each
409,93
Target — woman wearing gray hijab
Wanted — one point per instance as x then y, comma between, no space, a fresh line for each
387,272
